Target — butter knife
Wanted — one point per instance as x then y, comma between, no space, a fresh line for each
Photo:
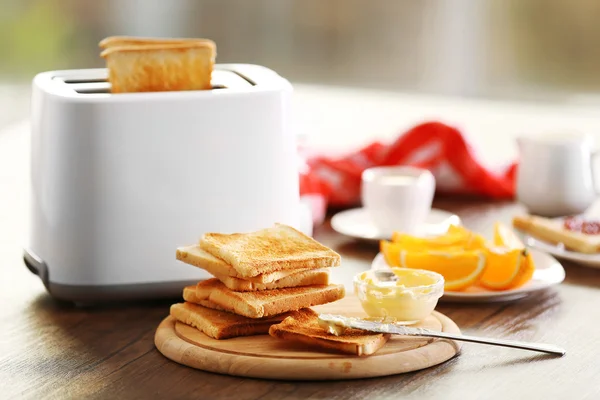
336,323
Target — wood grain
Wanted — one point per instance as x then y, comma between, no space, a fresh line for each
263,356
54,350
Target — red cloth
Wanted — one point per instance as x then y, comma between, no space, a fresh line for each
432,145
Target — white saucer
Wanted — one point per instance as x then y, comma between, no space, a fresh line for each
589,260
548,272
357,224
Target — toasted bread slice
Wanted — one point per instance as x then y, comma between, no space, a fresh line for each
117,41
189,295
160,67
221,324
305,278
267,302
553,231
197,257
210,304
303,326
278,248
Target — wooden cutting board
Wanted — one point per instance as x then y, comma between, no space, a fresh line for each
265,357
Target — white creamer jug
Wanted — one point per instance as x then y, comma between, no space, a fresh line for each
555,175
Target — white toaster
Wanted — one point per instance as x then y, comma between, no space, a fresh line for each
119,181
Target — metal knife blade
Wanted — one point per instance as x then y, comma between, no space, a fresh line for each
374,326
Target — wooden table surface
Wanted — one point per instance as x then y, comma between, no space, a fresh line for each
53,350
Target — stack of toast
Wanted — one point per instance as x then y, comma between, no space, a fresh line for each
264,283
155,65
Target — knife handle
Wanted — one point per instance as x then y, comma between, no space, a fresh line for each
541,347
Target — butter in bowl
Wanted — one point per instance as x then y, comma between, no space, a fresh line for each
406,295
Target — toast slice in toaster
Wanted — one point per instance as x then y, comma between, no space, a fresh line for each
268,302
303,327
221,324
553,231
194,255
160,67
277,248
116,41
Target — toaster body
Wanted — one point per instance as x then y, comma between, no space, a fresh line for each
119,181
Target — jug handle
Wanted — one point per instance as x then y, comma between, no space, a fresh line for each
595,184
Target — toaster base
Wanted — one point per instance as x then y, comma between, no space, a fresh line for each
95,294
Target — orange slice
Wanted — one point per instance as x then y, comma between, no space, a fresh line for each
464,258
459,269
526,273
469,240
504,236
509,264
391,251
475,242
503,268
455,236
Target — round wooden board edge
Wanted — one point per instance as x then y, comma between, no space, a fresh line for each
182,352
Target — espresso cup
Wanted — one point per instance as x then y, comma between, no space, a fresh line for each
397,199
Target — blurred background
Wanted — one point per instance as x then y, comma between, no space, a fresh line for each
539,50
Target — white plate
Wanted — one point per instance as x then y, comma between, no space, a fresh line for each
590,260
548,272
357,224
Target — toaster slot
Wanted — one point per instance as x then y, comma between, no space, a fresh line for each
91,87
250,81
82,76
96,82
226,79
86,83
84,80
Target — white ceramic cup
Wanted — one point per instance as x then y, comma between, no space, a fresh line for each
398,199
555,176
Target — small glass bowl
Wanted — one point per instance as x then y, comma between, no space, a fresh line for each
408,300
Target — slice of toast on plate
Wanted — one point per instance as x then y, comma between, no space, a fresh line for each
160,67
194,255
303,327
553,231
303,278
221,324
278,248
189,295
268,302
